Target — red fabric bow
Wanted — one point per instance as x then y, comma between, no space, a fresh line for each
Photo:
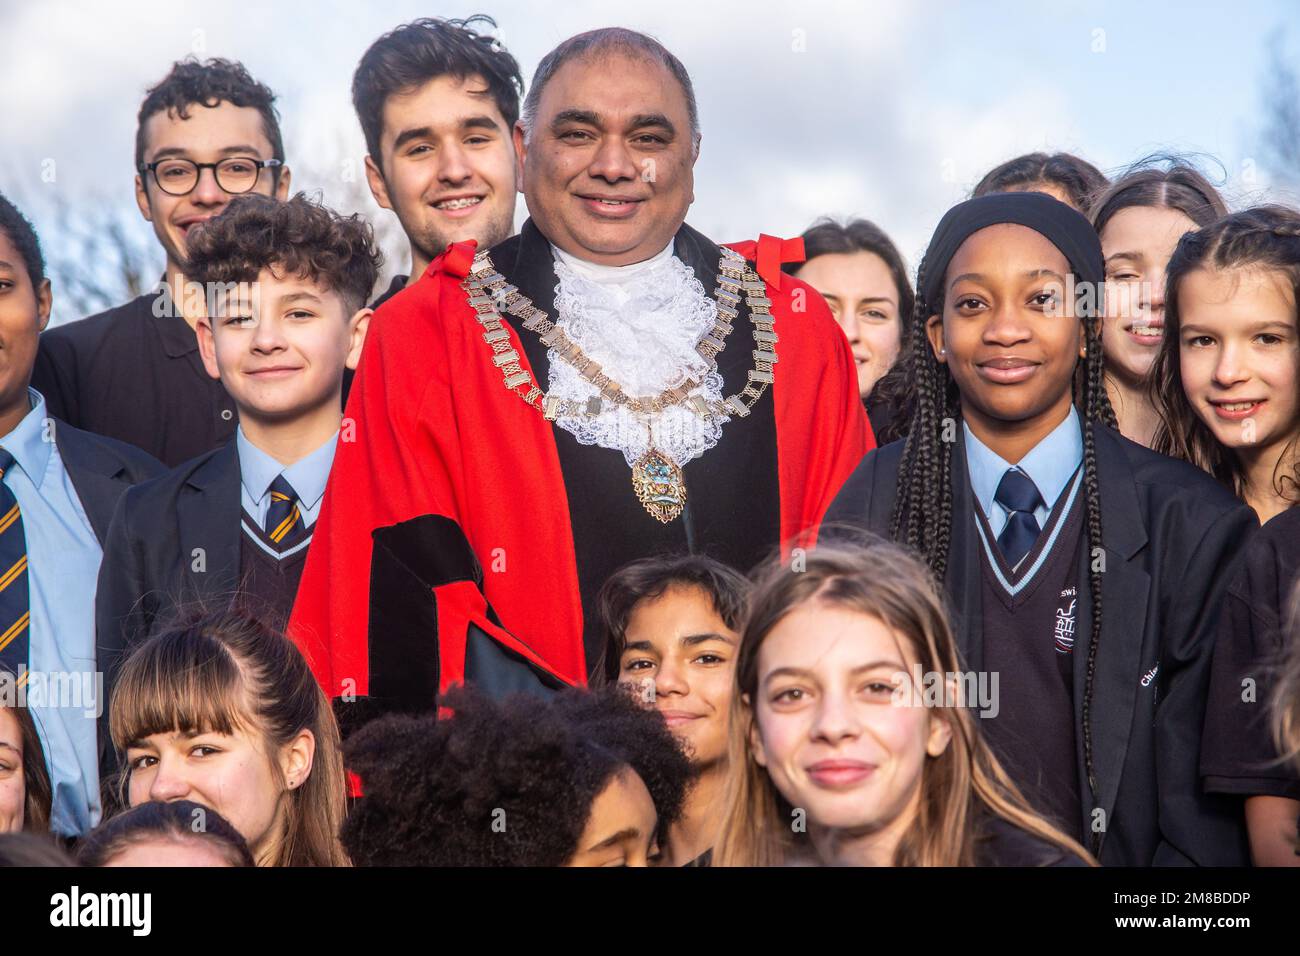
458,257
772,253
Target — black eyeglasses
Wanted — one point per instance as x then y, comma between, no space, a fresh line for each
176,177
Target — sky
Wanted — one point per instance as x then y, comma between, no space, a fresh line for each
886,110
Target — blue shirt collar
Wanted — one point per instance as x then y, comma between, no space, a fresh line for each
307,475
28,442
1050,464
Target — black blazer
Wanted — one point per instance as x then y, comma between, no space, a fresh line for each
101,470
173,541
1171,536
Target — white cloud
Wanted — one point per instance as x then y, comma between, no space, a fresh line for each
879,109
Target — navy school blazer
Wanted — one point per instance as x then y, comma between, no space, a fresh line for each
173,542
1172,537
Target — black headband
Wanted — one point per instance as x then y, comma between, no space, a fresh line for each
1062,225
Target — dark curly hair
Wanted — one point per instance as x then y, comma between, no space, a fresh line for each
616,722
209,83
177,820
423,50
23,237
502,783
300,236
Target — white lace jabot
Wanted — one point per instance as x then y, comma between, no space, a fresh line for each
641,323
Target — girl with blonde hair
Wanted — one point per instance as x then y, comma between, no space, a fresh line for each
849,744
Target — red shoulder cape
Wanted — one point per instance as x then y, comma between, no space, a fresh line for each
430,430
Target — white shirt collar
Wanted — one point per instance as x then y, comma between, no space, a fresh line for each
1050,464
613,275
307,476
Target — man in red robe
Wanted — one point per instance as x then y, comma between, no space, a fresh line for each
606,385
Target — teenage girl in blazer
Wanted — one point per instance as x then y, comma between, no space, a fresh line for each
1013,483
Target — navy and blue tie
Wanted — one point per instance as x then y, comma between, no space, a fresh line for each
15,601
284,522
1019,495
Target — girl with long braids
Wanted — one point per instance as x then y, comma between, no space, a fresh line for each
1085,570
1227,385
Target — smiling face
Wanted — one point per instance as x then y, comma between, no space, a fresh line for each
1009,334
620,830
863,297
209,135
13,786
447,167
838,725
231,773
280,346
1137,243
679,645
1239,356
609,167
24,312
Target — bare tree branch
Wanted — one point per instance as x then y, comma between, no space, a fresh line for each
1280,143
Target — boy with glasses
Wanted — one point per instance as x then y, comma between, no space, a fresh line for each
207,133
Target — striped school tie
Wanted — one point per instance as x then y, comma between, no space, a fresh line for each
15,603
284,522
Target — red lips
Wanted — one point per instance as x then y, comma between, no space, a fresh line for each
840,773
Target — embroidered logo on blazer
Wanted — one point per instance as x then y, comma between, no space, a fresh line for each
1063,630
1149,677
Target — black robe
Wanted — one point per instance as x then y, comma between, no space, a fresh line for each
459,511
